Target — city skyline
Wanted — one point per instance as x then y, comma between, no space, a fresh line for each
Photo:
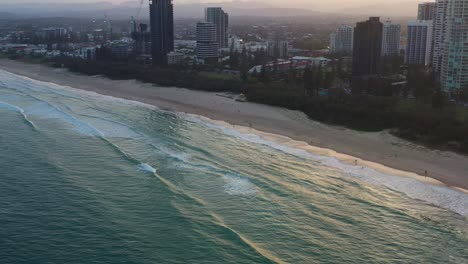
332,5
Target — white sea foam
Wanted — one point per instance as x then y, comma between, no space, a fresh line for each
414,187
49,111
146,168
112,129
17,109
11,81
237,185
177,155
438,195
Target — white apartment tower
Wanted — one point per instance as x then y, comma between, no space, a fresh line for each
438,38
391,39
207,45
419,45
454,73
341,41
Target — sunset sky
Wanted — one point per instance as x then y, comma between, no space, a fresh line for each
310,4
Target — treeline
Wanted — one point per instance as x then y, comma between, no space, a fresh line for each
185,78
429,118
444,127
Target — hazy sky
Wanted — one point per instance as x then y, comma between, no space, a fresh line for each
309,4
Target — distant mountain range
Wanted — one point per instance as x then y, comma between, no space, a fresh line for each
236,8
6,15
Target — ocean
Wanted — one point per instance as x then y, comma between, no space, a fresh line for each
86,178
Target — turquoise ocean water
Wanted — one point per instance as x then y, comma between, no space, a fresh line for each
91,179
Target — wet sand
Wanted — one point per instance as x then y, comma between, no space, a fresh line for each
380,150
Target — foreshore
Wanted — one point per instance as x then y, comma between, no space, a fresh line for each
381,150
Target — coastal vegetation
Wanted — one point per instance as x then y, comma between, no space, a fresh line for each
419,112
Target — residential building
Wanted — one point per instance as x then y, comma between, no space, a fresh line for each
119,49
278,49
341,41
419,43
207,45
236,43
454,74
426,11
367,47
87,53
52,33
162,30
311,61
438,36
142,40
175,58
220,19
390,39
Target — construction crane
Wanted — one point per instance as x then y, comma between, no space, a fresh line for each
137,16
140,7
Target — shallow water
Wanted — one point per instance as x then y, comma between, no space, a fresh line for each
91,179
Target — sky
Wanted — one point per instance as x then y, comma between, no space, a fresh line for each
309,4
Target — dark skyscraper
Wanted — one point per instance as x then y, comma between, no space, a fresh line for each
218,17
162,30
367,48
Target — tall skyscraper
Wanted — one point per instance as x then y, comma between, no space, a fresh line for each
207,45
341,41
391,39
367,47
438,36
426,11
419,43
454,74
220,19
162,30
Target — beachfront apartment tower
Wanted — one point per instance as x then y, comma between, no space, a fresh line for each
454,73
426,11
220,19
207,45
419,43
391,39
162,30
367,47
341,41
438,36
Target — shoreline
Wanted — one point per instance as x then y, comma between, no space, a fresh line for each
380,151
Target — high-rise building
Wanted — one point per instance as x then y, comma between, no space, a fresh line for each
367,47
391,39
438,36
279,49
454,74
220,19
419,43
162,30
207,45
341,41
142,40
426,11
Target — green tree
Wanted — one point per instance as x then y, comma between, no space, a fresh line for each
439,99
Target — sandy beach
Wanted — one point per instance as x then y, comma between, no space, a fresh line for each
373,149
